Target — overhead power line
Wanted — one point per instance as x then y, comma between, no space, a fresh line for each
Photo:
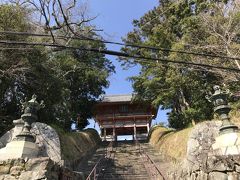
116,53
81,37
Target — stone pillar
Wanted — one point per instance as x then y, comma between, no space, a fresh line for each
104,134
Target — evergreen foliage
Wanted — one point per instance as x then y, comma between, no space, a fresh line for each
69,81
210,27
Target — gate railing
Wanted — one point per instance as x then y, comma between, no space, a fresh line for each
99,165
152,169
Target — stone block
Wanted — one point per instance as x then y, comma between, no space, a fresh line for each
18,162
19,149
227,144
238,140
27,175
229,150
202,176
216,165
192,146
217,176
5,169
224,140
33,164
9,177
16,170
238,168
33,175
232,150
233,176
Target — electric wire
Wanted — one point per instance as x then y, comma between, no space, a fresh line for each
81,37
116,53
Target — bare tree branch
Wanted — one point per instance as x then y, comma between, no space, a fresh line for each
54,15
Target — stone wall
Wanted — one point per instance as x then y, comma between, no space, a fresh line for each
200,163
35,169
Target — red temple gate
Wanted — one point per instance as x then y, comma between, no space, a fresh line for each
119,115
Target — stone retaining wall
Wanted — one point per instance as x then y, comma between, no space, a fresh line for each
35,169
200,163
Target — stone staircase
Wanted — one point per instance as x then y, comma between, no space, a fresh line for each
126,162
87,164
160,161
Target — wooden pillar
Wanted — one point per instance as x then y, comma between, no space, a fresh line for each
114,129
148,124
135,131
105,133
148,127
114,134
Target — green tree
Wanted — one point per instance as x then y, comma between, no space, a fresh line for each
13,64
69,81
184,25
84,75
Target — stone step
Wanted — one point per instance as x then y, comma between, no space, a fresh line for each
125,178
119,171
122,176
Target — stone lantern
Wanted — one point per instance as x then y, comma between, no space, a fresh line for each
220,101
23,145
228,141
30,109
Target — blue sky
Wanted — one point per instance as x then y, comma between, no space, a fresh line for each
115,19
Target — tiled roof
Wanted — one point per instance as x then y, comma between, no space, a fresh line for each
117,98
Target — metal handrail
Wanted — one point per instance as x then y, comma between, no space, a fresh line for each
107,155
154,165
94,170
149,159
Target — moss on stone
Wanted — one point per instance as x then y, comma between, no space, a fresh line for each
172,144
75,145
